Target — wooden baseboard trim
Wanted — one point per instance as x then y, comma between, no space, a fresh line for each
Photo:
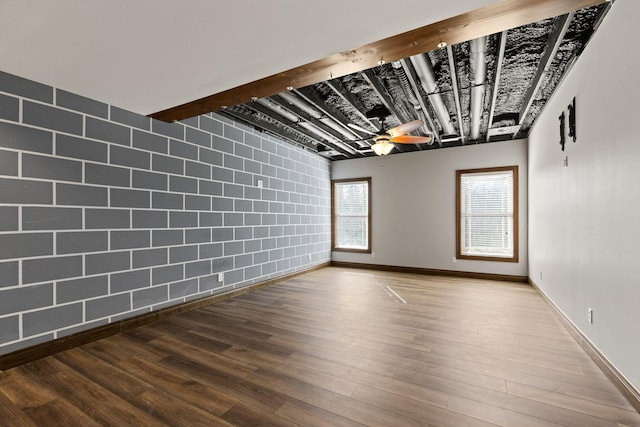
431,272
39,351
607,368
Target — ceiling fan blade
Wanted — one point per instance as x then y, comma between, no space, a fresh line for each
358,128
409,139
404,128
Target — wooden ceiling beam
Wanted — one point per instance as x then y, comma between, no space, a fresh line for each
496,17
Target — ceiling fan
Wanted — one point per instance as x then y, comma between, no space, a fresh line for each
385,139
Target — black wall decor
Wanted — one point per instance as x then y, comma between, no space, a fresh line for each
572,119
562,120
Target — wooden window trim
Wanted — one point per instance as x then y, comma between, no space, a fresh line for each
333,215
516,222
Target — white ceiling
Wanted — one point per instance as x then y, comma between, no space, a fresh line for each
149,55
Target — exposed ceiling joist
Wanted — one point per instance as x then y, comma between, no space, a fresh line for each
423,107
496,82
386,100
561,25
295,136
338,88
336,123
454,84
495,17
485,90
384,97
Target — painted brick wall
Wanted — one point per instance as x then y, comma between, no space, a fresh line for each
106,214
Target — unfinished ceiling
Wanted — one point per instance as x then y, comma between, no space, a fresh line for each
485,90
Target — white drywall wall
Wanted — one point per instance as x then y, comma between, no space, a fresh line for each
413,205
585,219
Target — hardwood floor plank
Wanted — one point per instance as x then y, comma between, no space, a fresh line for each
98,403
188,390
59,413
331,348
307,415
597,410
420,392
12,416
426,414
611,397
124,346
24,390
336,403
496,415
185,348
236,387
177,412
243,414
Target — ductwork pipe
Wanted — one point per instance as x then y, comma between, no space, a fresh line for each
278,109
333,125
478,47
318,115
294,100
322,134
327,137
424,70
410,95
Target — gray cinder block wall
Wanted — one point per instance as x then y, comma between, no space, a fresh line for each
106,214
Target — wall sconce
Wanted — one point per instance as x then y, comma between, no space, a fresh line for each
572,119
562,120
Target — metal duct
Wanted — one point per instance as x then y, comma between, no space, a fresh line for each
322,134
424,70
278,109
294,100
410,95
335,126
477,57
327,137
320,116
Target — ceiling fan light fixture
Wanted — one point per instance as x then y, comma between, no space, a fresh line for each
382,148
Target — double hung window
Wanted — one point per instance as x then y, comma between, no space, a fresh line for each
351,210
487,214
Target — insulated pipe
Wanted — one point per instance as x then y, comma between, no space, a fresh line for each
322,134
333,125
294,100
318,115
478,47
410,95
328,137
278,110
427,76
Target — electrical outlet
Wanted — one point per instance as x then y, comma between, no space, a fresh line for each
260,183
454,260
373,254
590,314
309,257
220,277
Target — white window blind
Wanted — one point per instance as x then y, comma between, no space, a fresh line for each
487,214
351,215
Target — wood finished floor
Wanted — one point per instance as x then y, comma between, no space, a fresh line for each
335,347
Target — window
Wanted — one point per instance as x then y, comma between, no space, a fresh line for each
351,215
487,214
